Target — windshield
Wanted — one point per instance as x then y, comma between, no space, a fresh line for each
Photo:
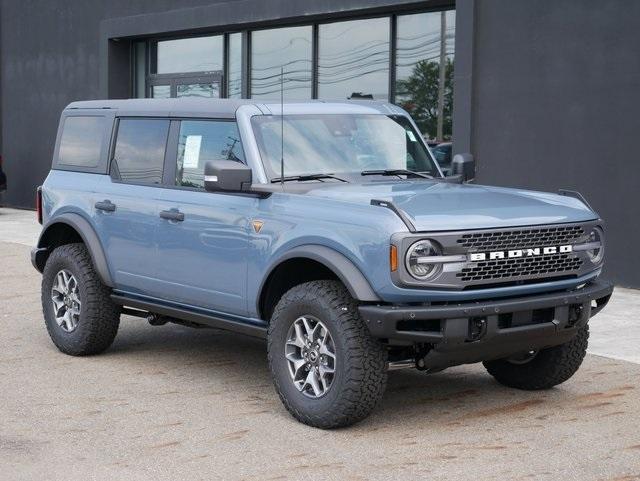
341,143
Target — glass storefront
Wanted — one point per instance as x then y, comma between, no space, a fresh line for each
353,59
350,59
199,54
286,52
424,70
234,66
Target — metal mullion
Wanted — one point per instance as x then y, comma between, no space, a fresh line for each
246,64
314,60
392,57
224,93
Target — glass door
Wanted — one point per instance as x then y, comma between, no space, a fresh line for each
206,85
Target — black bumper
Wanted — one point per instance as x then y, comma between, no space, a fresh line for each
475,331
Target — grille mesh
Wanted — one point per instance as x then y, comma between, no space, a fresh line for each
522,238
521,267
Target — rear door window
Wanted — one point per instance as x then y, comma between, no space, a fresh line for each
81,142
139,152
201,141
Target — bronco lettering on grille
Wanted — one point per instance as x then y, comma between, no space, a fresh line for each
513,253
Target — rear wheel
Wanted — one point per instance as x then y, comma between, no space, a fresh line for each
327,369
543,369
80,317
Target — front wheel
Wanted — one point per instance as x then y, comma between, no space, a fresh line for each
541,369
327,369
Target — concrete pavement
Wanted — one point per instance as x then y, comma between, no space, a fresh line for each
177,403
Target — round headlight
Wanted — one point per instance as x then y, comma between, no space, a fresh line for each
596,254
417,266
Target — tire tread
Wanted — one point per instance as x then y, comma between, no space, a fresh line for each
365,361
550,367
100,317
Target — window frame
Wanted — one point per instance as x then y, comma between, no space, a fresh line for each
114,140
103,161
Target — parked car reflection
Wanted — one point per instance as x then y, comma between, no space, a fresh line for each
442,153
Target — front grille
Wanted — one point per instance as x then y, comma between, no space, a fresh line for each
521,268
505,269
521,238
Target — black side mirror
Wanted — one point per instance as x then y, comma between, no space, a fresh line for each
226,176
464,166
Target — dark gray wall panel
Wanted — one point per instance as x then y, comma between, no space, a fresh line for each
555,105
50,56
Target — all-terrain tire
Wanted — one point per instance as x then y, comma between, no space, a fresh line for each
361,361
548,368
99,317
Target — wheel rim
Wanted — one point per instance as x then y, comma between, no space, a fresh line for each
311,356
523,358
65,296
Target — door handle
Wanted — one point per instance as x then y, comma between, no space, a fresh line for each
173,214
106,205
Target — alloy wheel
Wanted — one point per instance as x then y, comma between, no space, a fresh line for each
65,296
311,356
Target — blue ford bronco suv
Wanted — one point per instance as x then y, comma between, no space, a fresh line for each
326,228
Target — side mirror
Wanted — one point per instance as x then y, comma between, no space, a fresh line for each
464,166
226,176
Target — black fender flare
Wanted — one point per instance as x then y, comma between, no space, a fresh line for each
89,237
355,282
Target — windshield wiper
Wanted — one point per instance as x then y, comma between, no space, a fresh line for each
306,177
396,172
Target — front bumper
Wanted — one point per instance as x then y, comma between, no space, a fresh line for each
476,331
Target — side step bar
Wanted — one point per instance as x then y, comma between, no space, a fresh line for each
207,319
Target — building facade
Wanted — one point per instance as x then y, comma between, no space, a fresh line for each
541,93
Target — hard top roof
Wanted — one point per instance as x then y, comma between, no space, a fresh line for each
227,107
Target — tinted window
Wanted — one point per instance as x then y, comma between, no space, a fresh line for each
81,141
278,49
140,148
201,141
354,59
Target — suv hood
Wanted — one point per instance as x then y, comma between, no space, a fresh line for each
439,206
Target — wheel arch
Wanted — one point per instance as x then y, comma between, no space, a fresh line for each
66,229
330,265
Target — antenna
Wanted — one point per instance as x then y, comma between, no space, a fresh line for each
282,126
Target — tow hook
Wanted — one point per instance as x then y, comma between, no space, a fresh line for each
575,314
477,328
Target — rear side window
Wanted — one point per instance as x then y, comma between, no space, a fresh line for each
201,141
81,141
139,153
